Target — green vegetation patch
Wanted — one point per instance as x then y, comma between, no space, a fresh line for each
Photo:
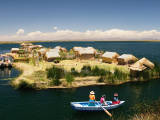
38,76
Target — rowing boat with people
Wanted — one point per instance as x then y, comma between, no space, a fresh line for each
83,106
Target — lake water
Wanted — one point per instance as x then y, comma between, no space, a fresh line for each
54,104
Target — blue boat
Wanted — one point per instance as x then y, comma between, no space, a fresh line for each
83,106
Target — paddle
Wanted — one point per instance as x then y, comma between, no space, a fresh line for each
105,109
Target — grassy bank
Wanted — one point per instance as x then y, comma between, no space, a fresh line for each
38,75
83,73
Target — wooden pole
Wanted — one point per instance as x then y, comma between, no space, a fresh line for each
33,58
105,110
38,60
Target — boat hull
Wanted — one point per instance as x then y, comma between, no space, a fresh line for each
83,106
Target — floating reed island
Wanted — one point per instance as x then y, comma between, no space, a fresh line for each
81,66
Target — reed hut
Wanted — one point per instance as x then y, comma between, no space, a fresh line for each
76,48
146,63
23,44
126,59
110,57
76,51
138,66
86,54
54,50
51,56
58,47
42,52
30,48
39,46
91,48
14,50
26,44
64,49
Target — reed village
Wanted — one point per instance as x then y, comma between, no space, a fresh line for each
81,66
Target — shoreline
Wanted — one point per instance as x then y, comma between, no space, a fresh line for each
27,72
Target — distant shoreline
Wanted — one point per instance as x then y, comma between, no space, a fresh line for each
17,42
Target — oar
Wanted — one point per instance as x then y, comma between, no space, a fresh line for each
105,110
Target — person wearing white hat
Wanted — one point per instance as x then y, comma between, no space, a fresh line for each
91,99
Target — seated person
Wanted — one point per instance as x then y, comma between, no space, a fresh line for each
115,99
91,99
103,100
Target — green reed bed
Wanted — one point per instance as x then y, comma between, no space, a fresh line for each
116,77
54,74
147,110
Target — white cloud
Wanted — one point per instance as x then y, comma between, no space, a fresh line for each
71,35
20,31
55,28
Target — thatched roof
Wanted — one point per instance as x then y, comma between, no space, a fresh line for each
124,56
40,46
64,49
15,49
54,50
146,62
52,54
81,51
23,44
76,48
31,47
138,66
42,51
127,57
91,48
58,47
110,54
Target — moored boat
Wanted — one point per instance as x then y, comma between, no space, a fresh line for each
2,64
83,106
8,63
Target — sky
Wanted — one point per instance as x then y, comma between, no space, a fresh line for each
79,19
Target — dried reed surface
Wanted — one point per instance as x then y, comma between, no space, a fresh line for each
35,74
147,116
68,64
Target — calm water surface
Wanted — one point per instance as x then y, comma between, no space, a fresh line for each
55,103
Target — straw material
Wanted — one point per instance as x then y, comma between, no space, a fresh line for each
52,55
14,50
147,63
31,47
75,48
54,50
110,54
42,51
85,52
110,57
137,66
40,46
64,49
58,47
23,44
126,58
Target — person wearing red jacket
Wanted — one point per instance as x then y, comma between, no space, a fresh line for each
115,99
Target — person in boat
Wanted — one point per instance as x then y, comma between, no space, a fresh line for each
115,99
103,100
91,99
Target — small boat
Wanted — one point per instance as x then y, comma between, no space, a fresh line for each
2,64
83,106
8,63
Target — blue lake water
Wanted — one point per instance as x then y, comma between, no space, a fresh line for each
54,104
